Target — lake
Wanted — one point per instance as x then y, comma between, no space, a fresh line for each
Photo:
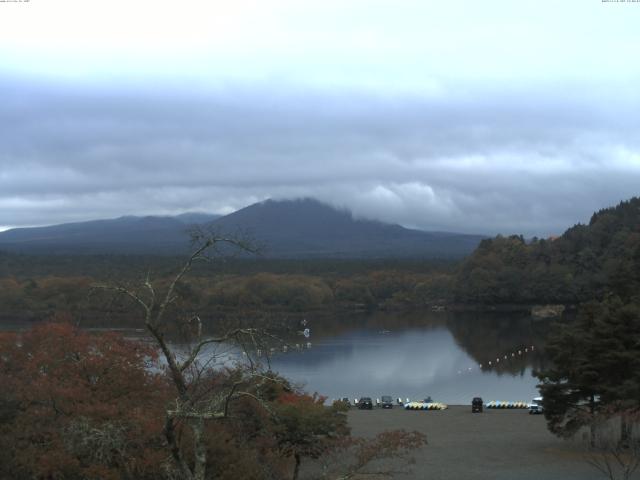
442,355
409,355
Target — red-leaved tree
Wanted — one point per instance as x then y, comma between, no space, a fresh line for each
79,405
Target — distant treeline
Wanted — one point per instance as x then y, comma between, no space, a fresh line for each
38,286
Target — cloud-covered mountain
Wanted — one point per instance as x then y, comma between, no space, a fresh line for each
284,229
308,228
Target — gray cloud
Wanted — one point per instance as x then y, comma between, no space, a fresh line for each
523,159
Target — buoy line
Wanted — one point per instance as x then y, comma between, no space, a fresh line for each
499,358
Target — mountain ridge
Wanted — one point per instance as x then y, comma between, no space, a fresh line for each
301,228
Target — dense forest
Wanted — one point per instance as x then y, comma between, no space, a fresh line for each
586,262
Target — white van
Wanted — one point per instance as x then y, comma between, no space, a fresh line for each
535,407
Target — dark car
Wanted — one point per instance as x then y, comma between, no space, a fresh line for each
386,401
365,403
476,405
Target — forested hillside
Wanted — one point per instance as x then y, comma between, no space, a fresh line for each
584,263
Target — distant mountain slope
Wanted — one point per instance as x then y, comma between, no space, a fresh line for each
120,235
308,228
286,229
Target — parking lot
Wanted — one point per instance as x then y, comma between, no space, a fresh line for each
495,444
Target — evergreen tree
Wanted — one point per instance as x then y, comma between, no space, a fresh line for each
596,366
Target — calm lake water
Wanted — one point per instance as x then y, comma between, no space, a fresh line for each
420,355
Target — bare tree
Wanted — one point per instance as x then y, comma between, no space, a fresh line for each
613,444
196,401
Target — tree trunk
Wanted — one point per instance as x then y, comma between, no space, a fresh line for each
592,426
296,469
625,432
169,432
200,449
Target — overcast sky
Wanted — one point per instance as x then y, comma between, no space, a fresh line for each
483,116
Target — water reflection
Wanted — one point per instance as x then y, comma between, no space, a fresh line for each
424,355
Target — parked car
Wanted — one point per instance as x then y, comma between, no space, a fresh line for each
535,407
365,403
346,401
476,405
386,401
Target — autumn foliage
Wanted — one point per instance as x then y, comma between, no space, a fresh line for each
79,405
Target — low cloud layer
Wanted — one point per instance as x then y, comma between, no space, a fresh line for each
524,160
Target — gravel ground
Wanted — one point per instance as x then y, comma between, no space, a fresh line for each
494,445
